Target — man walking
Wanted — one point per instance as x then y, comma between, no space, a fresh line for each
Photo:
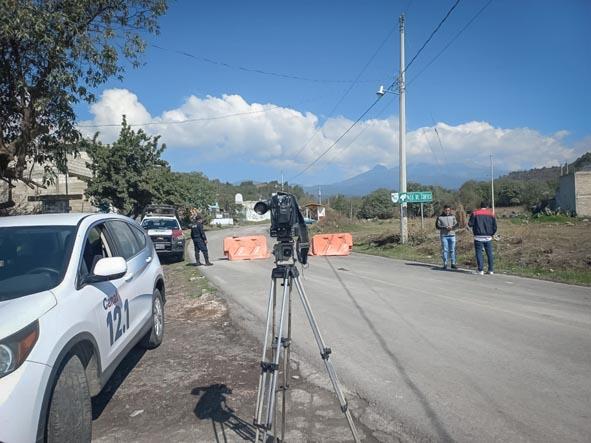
200,242
447,223
484,226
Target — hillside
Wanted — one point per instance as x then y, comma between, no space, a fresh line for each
551,173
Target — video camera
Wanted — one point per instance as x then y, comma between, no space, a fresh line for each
286,222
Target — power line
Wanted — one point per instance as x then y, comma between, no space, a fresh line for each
337,140
390,87
190,120
379,113
432,34
334,108
397,80
251,70
480,11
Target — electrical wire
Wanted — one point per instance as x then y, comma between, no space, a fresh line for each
334,108
397,80
251,70
190,120
480,11
432,34
337,140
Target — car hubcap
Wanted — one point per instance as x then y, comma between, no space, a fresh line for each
158,320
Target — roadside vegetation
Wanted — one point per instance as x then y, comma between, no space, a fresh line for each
555,247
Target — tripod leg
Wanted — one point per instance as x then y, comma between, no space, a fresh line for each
287,345
272,391
325,354
264,375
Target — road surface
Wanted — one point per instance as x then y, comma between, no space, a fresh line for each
443,356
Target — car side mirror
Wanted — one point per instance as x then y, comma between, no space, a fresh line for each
108,268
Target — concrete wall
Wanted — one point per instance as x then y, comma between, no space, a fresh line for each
583,193
30,200
565,197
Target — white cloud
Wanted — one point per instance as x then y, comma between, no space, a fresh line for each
273,135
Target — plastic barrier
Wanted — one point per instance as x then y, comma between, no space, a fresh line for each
332,244
246,248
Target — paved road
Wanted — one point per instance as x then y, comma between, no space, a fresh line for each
443,355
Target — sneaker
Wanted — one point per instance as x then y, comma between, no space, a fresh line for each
197,264
208,264
480,272
490,273
444,267
453,266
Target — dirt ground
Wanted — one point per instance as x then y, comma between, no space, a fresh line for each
200,384
553,249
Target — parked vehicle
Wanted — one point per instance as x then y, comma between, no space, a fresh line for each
166,234
77,293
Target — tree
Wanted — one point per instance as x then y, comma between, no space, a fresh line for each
126,173
472,192
52,55
378,204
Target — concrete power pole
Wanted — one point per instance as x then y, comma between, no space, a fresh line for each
402,129
492,185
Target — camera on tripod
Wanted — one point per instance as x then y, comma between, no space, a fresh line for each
287,222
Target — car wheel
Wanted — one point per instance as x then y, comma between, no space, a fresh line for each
154,336
70,410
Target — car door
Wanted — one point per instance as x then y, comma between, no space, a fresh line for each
136,287
108,306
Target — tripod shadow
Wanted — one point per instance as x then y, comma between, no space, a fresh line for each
442,433
212,405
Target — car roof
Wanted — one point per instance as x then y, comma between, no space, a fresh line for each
71,219
160,216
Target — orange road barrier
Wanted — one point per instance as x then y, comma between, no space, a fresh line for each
332,244
246,248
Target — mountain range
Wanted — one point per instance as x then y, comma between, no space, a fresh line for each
450,176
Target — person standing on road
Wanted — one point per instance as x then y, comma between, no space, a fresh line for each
200,242
447,223
484,226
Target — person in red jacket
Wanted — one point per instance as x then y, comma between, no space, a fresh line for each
484,226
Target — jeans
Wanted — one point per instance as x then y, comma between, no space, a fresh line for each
448,248
487,246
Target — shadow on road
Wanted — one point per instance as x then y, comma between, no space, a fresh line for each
439,268
212,405
125,367
442,434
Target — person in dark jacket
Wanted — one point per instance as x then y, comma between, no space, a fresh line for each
447,224
484,226
200,242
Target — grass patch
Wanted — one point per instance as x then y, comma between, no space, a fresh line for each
542,218
193,279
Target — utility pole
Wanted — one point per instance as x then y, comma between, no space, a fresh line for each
492,184
402,141
282,181
319,195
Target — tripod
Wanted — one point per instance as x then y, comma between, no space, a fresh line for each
275,342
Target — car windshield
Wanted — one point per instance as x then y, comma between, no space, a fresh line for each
160,223
33,258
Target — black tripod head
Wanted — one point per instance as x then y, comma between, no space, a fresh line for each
287,223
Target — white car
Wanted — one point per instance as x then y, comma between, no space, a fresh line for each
166,234
77,292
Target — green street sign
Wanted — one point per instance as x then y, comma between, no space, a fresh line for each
415,197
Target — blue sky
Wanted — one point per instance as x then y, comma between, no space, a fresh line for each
515,83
